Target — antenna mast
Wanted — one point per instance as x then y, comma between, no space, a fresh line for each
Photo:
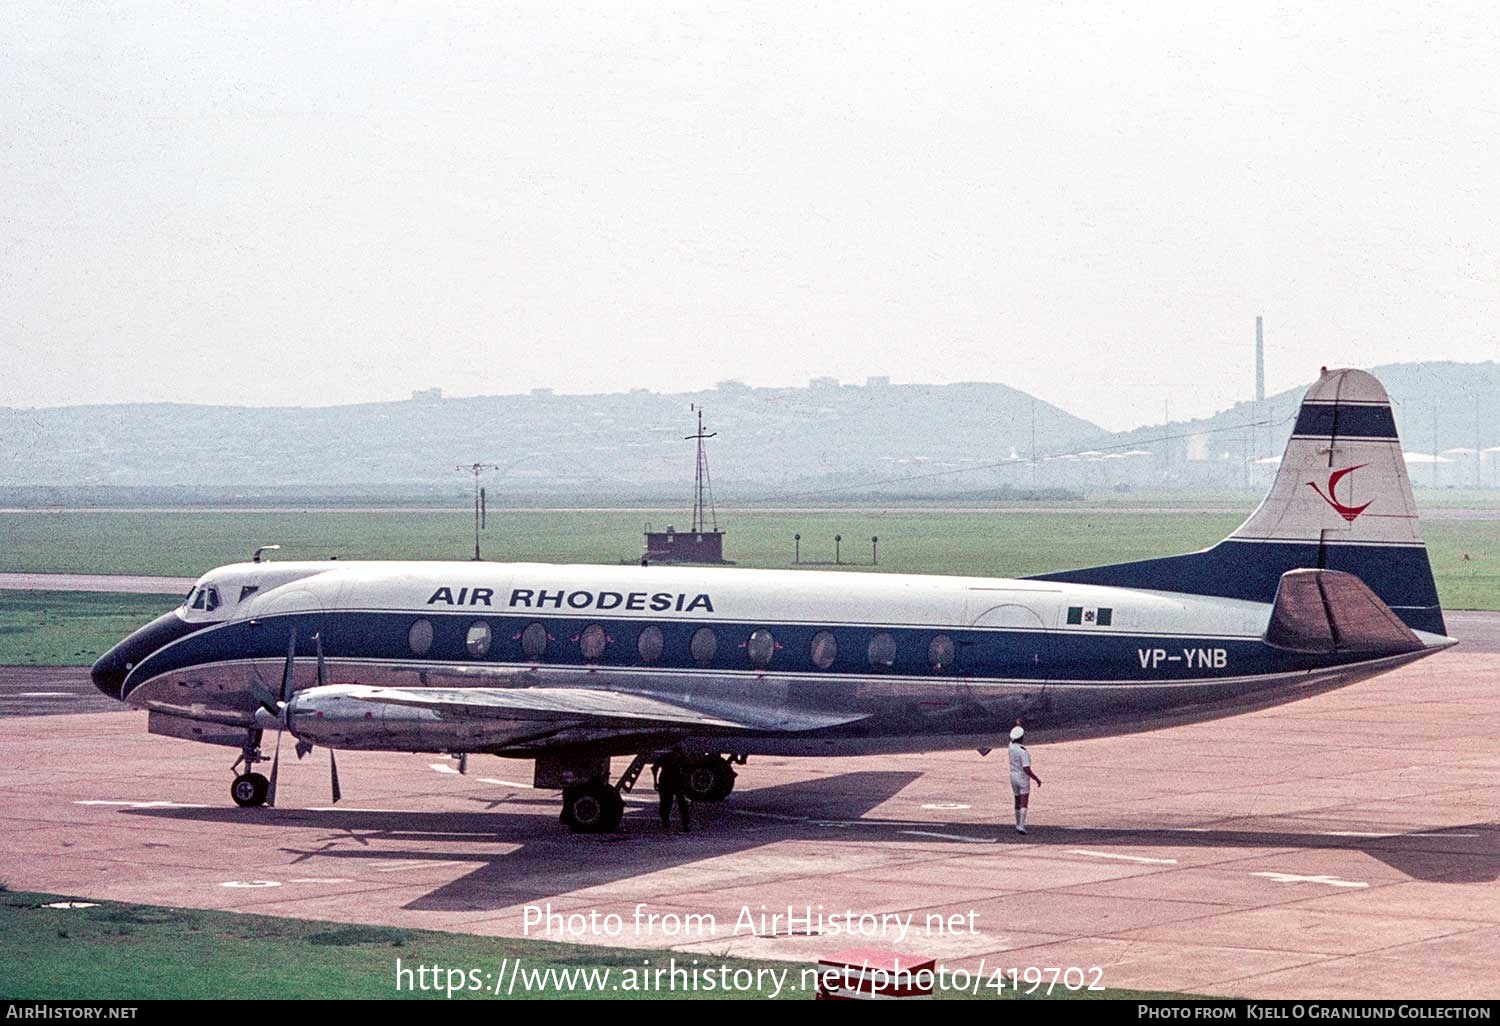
702,487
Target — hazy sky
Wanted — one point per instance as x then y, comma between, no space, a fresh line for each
330,202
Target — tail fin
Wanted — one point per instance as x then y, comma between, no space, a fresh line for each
1341,501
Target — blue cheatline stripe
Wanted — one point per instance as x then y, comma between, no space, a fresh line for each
1329,420
1401,576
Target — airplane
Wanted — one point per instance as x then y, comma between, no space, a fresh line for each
1325,584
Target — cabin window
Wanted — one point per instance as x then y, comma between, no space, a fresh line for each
882,650
704,646
477,641
650,644
940,652
760,648
420,637
534,641
1075,615
823,650
1106,616
592,641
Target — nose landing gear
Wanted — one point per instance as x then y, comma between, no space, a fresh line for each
249,789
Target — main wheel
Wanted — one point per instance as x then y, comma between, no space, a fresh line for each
709,779
249,790
592,808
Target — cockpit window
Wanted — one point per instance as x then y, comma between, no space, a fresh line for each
247,590
205,598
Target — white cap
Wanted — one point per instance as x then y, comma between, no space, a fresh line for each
1016,733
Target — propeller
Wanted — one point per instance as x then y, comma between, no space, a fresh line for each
279,709
278,705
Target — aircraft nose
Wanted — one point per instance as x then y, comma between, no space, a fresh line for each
114,666
109,672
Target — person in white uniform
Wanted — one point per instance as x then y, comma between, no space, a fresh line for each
1021,776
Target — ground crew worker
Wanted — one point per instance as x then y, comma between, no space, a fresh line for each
1021,776
670,777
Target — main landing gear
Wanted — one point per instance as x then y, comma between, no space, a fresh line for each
592,808
250,789
710,778
596,807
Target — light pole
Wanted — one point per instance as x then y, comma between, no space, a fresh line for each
480,511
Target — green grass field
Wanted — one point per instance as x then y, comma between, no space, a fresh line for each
48,630
122,952
69,628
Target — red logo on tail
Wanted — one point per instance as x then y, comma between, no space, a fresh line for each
1349,513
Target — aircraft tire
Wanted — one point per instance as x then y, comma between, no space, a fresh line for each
249,790
593,808
710,779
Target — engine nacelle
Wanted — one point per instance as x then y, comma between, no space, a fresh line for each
351,716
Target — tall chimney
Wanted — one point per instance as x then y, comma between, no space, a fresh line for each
1260,362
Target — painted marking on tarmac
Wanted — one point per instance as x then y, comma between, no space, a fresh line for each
254,884
952,837
1436,833
442,767
503,783
71,904
1329,881
140,805
322,880
42,694
1367,833
346,808
1123,858
1150,830
946,806
401,867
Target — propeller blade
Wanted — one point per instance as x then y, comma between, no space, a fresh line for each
266,699
463,762
291,660
275,766
322,665
333,772
303,747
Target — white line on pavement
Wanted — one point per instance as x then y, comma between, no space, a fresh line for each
1123,858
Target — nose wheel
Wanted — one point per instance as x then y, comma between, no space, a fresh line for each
249,790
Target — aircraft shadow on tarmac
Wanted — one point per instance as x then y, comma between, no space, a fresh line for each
551,861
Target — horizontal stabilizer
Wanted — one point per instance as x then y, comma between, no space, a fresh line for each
1328,612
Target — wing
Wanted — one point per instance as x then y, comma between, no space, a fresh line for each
594,706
